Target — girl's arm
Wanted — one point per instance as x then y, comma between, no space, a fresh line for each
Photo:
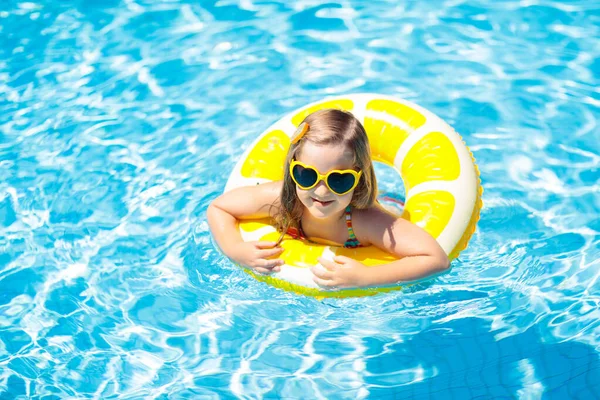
250,202
420,254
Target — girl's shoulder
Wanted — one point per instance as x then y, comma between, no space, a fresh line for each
379,227
268,192
373,213
370,221
265,191
250,201
273,187
364,219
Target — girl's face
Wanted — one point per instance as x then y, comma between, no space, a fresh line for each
319,200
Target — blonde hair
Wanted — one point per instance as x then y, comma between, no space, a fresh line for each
330,126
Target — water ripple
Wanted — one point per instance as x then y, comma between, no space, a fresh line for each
122,120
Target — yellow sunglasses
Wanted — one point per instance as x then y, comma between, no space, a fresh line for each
339,182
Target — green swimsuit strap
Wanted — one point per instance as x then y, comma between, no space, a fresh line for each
352,240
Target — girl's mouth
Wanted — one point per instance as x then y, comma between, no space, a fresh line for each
322,203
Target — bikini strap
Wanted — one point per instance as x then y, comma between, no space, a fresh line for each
352,240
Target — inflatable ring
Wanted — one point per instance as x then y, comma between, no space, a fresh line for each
443,188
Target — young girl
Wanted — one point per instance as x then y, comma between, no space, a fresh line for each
328,194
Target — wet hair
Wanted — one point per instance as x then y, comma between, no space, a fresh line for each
326,127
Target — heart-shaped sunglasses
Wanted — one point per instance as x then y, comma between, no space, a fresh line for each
339,182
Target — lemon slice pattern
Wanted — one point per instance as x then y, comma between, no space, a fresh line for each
443,188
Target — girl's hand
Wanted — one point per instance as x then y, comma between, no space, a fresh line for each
257,256
341,273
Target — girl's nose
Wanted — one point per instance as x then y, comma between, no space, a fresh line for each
321,189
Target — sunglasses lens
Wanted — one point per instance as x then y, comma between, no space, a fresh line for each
341,183
305,177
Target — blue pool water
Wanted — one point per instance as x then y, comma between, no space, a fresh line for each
121,120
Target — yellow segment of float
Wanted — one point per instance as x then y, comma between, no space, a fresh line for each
443,188
267,157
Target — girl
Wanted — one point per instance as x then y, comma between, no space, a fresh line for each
328,194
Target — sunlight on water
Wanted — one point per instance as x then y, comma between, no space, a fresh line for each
121,121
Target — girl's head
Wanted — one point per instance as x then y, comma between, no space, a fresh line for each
335,140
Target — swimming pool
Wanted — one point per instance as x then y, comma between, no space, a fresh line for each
121,120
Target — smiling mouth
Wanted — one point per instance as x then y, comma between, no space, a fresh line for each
323,203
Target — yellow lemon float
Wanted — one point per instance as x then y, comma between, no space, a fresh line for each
443,188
